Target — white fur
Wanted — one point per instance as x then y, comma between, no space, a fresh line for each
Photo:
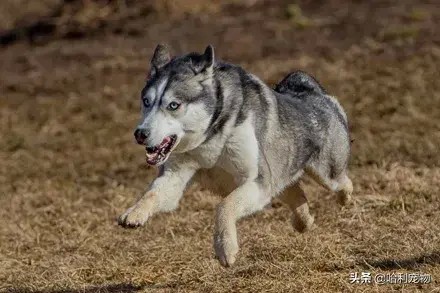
245,200
238,156
164,193
240,153
161,125
194,122
160,89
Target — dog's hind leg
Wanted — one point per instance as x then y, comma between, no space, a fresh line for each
245,200
341,184
295,198
330,168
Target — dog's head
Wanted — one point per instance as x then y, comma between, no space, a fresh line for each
177,103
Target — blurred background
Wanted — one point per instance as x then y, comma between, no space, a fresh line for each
70,78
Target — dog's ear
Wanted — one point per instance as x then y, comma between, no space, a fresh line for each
161,57
204,63
208,57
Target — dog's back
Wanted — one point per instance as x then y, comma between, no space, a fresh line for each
317,125
304,86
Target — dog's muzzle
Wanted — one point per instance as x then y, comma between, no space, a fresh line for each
158,154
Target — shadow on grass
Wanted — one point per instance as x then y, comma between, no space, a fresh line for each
115,288
409,263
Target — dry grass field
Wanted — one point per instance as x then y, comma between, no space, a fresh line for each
70,77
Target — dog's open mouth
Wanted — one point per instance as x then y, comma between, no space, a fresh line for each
159,154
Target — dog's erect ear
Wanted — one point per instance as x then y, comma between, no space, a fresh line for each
208,57
161,57
205,62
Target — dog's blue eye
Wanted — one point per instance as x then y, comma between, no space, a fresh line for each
173,106
146,102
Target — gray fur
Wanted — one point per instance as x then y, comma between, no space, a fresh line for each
295,129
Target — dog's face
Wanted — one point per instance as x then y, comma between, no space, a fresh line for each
177,104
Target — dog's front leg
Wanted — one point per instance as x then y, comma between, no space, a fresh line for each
245,200
163,195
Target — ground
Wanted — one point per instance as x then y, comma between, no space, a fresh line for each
70,78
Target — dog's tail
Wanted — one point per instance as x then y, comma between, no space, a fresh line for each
299,82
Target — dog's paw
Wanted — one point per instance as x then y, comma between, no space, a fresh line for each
226,248
343,196
134,217
303,223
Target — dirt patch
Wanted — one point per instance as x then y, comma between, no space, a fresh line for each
69,165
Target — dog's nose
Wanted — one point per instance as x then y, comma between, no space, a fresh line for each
140,135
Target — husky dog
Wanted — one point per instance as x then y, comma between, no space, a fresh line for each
212,119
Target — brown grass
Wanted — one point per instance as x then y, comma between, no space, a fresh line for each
69,166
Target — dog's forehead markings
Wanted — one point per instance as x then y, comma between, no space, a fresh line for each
156,90
161,87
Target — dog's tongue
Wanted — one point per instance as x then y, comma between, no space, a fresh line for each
152,157
159,147
165,141
159,152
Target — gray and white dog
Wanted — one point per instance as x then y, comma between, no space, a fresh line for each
249,142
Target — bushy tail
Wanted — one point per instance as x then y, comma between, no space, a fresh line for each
299,82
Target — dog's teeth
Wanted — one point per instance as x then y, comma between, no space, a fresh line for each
161,151
151,156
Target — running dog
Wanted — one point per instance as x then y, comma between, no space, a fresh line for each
212,120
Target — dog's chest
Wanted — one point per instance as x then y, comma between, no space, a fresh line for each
237,155
240,153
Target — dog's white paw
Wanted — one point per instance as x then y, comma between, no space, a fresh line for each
134,217
226,248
